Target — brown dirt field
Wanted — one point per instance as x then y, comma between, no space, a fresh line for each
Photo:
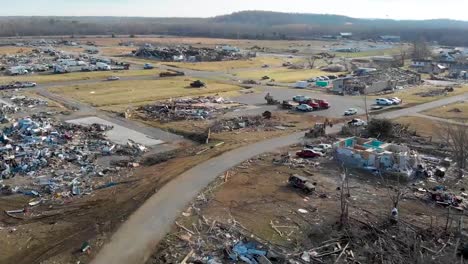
14,50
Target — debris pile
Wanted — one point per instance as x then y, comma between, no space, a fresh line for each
436,92
215,243
197,108
59,158
236,123
28,101
190,54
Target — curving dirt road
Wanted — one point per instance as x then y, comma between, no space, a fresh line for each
137,237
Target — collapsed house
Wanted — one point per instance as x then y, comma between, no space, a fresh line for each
376,155
375,81
189,54
197,108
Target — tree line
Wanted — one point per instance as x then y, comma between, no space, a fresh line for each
193,27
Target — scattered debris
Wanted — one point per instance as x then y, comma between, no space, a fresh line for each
187,108
436,92
244,122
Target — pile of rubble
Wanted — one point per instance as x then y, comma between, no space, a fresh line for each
197,108
436,92
215,243
236,123
29,102
190,54
55,158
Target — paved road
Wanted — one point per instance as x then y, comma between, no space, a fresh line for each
339,104
138,236
424,107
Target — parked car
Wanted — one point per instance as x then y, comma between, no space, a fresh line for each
357,122
304,108
309,153
383,101
312,104
322,148
148,66
395,100
302,183
29,84
312,80
113,78
350,111
301,98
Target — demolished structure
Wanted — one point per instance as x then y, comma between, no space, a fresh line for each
189,54
375,155
54,158
199,108
375,81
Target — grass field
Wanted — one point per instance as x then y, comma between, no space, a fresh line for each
124,93
423,126
227,66
205,42
370,53
282,74
447,112
77,76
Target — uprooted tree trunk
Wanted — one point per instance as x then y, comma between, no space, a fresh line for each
456,137
344,198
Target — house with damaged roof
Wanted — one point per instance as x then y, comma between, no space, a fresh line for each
372,154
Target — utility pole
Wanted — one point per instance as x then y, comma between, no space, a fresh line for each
367,109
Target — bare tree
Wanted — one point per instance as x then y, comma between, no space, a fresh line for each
456,138
396,190
311,61
420,50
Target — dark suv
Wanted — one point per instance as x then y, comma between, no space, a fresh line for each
302,183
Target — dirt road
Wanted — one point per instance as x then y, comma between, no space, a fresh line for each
138,236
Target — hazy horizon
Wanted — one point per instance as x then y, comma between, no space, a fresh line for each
373,9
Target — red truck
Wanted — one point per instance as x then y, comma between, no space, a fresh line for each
322,103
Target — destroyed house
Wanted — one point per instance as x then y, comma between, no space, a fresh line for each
375,81
459,70
372,153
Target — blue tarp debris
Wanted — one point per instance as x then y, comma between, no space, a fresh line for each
246,252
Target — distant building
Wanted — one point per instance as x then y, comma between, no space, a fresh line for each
346,35
229,48
368,80
420,63
390,38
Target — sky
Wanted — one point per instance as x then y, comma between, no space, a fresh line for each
395,9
